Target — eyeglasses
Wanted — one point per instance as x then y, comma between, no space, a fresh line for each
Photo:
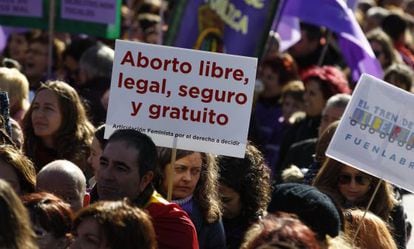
345,179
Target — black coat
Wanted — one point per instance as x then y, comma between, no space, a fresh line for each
210,235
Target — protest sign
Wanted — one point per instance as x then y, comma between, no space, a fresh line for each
24,13
94,17
99,11
27,8
376,132
100,18
203,99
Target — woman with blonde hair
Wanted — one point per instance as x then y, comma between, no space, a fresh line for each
56,127
195,190
373,232
352,188
17,86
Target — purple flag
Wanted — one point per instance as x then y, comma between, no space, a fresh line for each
336,16
231,26
288,30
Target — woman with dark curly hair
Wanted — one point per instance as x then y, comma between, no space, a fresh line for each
113,225
17,170
245,193
352,188
51,219
56,127
195,190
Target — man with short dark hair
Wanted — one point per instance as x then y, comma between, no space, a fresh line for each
126,170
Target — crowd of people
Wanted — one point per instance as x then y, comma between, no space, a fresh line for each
63,185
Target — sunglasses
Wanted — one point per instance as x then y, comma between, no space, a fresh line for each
345,179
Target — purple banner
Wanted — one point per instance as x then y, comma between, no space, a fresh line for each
23,8
230,26
98,11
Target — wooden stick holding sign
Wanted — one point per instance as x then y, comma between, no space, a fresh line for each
170,170
367,208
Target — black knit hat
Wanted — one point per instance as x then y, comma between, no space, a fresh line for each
312,207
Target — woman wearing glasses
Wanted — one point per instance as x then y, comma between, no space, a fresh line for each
352,188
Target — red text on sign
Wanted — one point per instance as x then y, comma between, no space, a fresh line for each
216,71
143,61
184,113
207,95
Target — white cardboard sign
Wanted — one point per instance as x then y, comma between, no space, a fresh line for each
203,99
376,132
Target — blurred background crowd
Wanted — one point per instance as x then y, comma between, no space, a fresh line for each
63,185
